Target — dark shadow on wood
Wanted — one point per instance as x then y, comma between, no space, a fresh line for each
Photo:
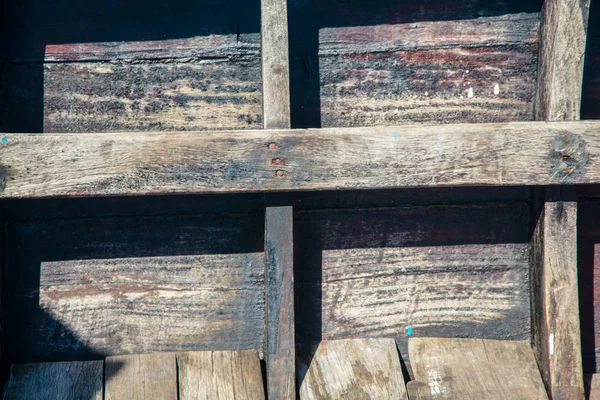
590,96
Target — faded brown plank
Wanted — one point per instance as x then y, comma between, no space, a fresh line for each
75,380
220,375
275,64
468,70
354,369
141,376
473,369
346,158
562,49
141,305
279,255
555,311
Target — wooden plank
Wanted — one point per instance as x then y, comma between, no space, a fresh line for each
562,50
354,369
429,71
275,64
349,158
279,256
42,336
555,300
220,375
140,376
141,305
77,380
473,369
440,270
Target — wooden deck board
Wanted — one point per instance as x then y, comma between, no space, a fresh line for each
474,369
141,377
329,159
354,369
220,375
77,380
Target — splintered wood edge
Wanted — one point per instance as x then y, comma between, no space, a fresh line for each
507,154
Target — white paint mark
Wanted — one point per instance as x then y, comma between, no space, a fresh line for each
426,93
434,382
467,71
470,93
496,89
551,344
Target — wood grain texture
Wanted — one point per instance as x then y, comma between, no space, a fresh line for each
354,369
470,70
75,380
140,305
279,255
36,335
555,300
473,369
562,50
275,64
141,377
328,159
220,375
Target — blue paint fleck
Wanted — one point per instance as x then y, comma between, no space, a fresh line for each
228,172
396,135
409,331
4,140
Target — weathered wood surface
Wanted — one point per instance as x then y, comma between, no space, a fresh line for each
279,270
474,70
220,375
562,50
75,380
592,389
453,271
124,65
555,300
141,377
140,305
349,158
354,369
35,334
210,82
275,64
588,257
474,369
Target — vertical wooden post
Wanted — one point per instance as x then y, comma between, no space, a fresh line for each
281,347
555,302
275,64
562,50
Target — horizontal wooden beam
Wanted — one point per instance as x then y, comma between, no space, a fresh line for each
78,165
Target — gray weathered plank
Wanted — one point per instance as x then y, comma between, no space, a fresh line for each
593,386
75,380
346,158
457,70
220,375
275,64
354,369
555,311
141,305
474,369
279,256
141,377
562,51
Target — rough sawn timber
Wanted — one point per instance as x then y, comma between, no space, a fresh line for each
521,153
474,369
220,375
354,369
